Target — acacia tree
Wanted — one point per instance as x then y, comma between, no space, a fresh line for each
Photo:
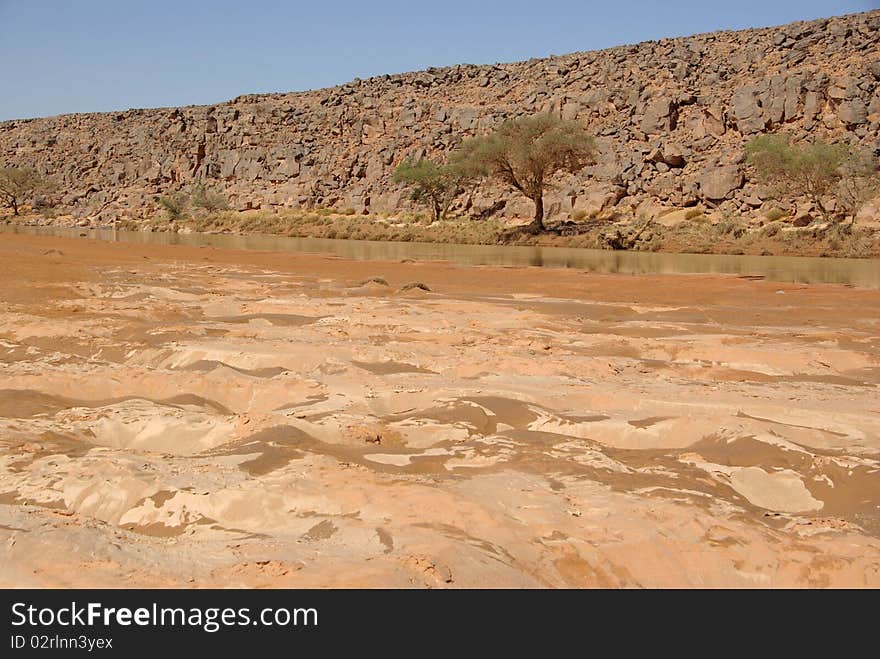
819,171
526,152
432,183
18,184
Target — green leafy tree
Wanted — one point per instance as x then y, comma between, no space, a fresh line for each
820,171
18,184
433,184
525,153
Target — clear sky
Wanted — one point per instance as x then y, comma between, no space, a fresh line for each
59,56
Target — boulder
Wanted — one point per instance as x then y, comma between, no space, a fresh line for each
670,154
852,113
746,110
598,198
660,116
843,88
570,110
719,182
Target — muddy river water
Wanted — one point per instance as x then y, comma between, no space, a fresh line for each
855,272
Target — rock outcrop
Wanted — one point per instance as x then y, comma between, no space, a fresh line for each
671,117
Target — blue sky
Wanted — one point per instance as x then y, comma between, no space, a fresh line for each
94,55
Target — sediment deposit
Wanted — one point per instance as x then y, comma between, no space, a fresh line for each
176,416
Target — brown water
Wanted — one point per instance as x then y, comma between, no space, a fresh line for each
855,272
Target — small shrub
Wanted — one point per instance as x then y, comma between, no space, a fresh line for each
775,214
175,205
772,229
840,231
790,237
730,228
725,227
208,199
693,213
579,215
858,246
348,211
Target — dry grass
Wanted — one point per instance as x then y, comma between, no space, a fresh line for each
696,236
322,223
775,214
731,235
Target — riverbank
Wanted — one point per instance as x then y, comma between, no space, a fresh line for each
687,231
192,416
802,269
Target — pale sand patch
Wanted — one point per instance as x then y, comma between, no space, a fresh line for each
782,490
404,459
142,425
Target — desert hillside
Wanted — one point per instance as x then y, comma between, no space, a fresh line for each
671,116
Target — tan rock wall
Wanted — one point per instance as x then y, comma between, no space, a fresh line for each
672,117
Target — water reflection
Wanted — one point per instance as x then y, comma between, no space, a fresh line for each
857,272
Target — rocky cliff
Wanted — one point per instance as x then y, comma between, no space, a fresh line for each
671,118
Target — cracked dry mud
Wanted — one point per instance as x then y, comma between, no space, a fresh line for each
175,416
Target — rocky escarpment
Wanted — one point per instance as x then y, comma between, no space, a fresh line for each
671,117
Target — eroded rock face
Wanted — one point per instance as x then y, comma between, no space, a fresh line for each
664,111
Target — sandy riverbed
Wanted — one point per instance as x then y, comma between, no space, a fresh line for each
176,416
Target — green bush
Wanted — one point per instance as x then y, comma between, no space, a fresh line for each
775,214
208,199
175,205
817,170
